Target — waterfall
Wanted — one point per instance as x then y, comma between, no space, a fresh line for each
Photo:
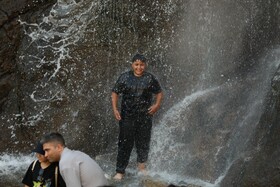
199,138
215,61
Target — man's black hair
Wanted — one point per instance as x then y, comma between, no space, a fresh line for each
53,137
140,57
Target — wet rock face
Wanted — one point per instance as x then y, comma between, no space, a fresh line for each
59,63
260,165
62,66
10,38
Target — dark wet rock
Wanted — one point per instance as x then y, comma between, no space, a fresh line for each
10,39
260,165
76,101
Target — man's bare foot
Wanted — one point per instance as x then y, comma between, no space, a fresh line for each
142,169
118,176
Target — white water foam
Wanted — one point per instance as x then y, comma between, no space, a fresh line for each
164,145
14,165
67,23
173,116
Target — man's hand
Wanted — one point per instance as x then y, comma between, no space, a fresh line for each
117,115
114,105
153,109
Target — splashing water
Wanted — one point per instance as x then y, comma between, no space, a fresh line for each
191,144
49,46
166,148
198,138
13,166
64,26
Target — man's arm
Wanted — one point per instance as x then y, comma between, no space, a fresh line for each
154,108
115,98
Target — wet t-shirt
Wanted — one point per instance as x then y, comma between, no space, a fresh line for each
137,92
42,177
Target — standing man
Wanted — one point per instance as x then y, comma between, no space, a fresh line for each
76,168
135,118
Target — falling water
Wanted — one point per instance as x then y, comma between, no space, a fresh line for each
199,138
50,42
12,168
214,94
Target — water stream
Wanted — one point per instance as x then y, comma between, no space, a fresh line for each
214,95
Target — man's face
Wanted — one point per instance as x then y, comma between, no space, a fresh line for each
52,151
138,68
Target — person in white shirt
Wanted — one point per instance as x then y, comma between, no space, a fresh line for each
77,168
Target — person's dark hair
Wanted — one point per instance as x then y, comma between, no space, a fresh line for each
53,137
139,57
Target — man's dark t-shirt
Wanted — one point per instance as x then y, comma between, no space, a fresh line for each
137,92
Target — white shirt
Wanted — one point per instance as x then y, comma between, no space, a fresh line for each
79,170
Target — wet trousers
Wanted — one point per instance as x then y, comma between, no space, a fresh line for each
133,131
